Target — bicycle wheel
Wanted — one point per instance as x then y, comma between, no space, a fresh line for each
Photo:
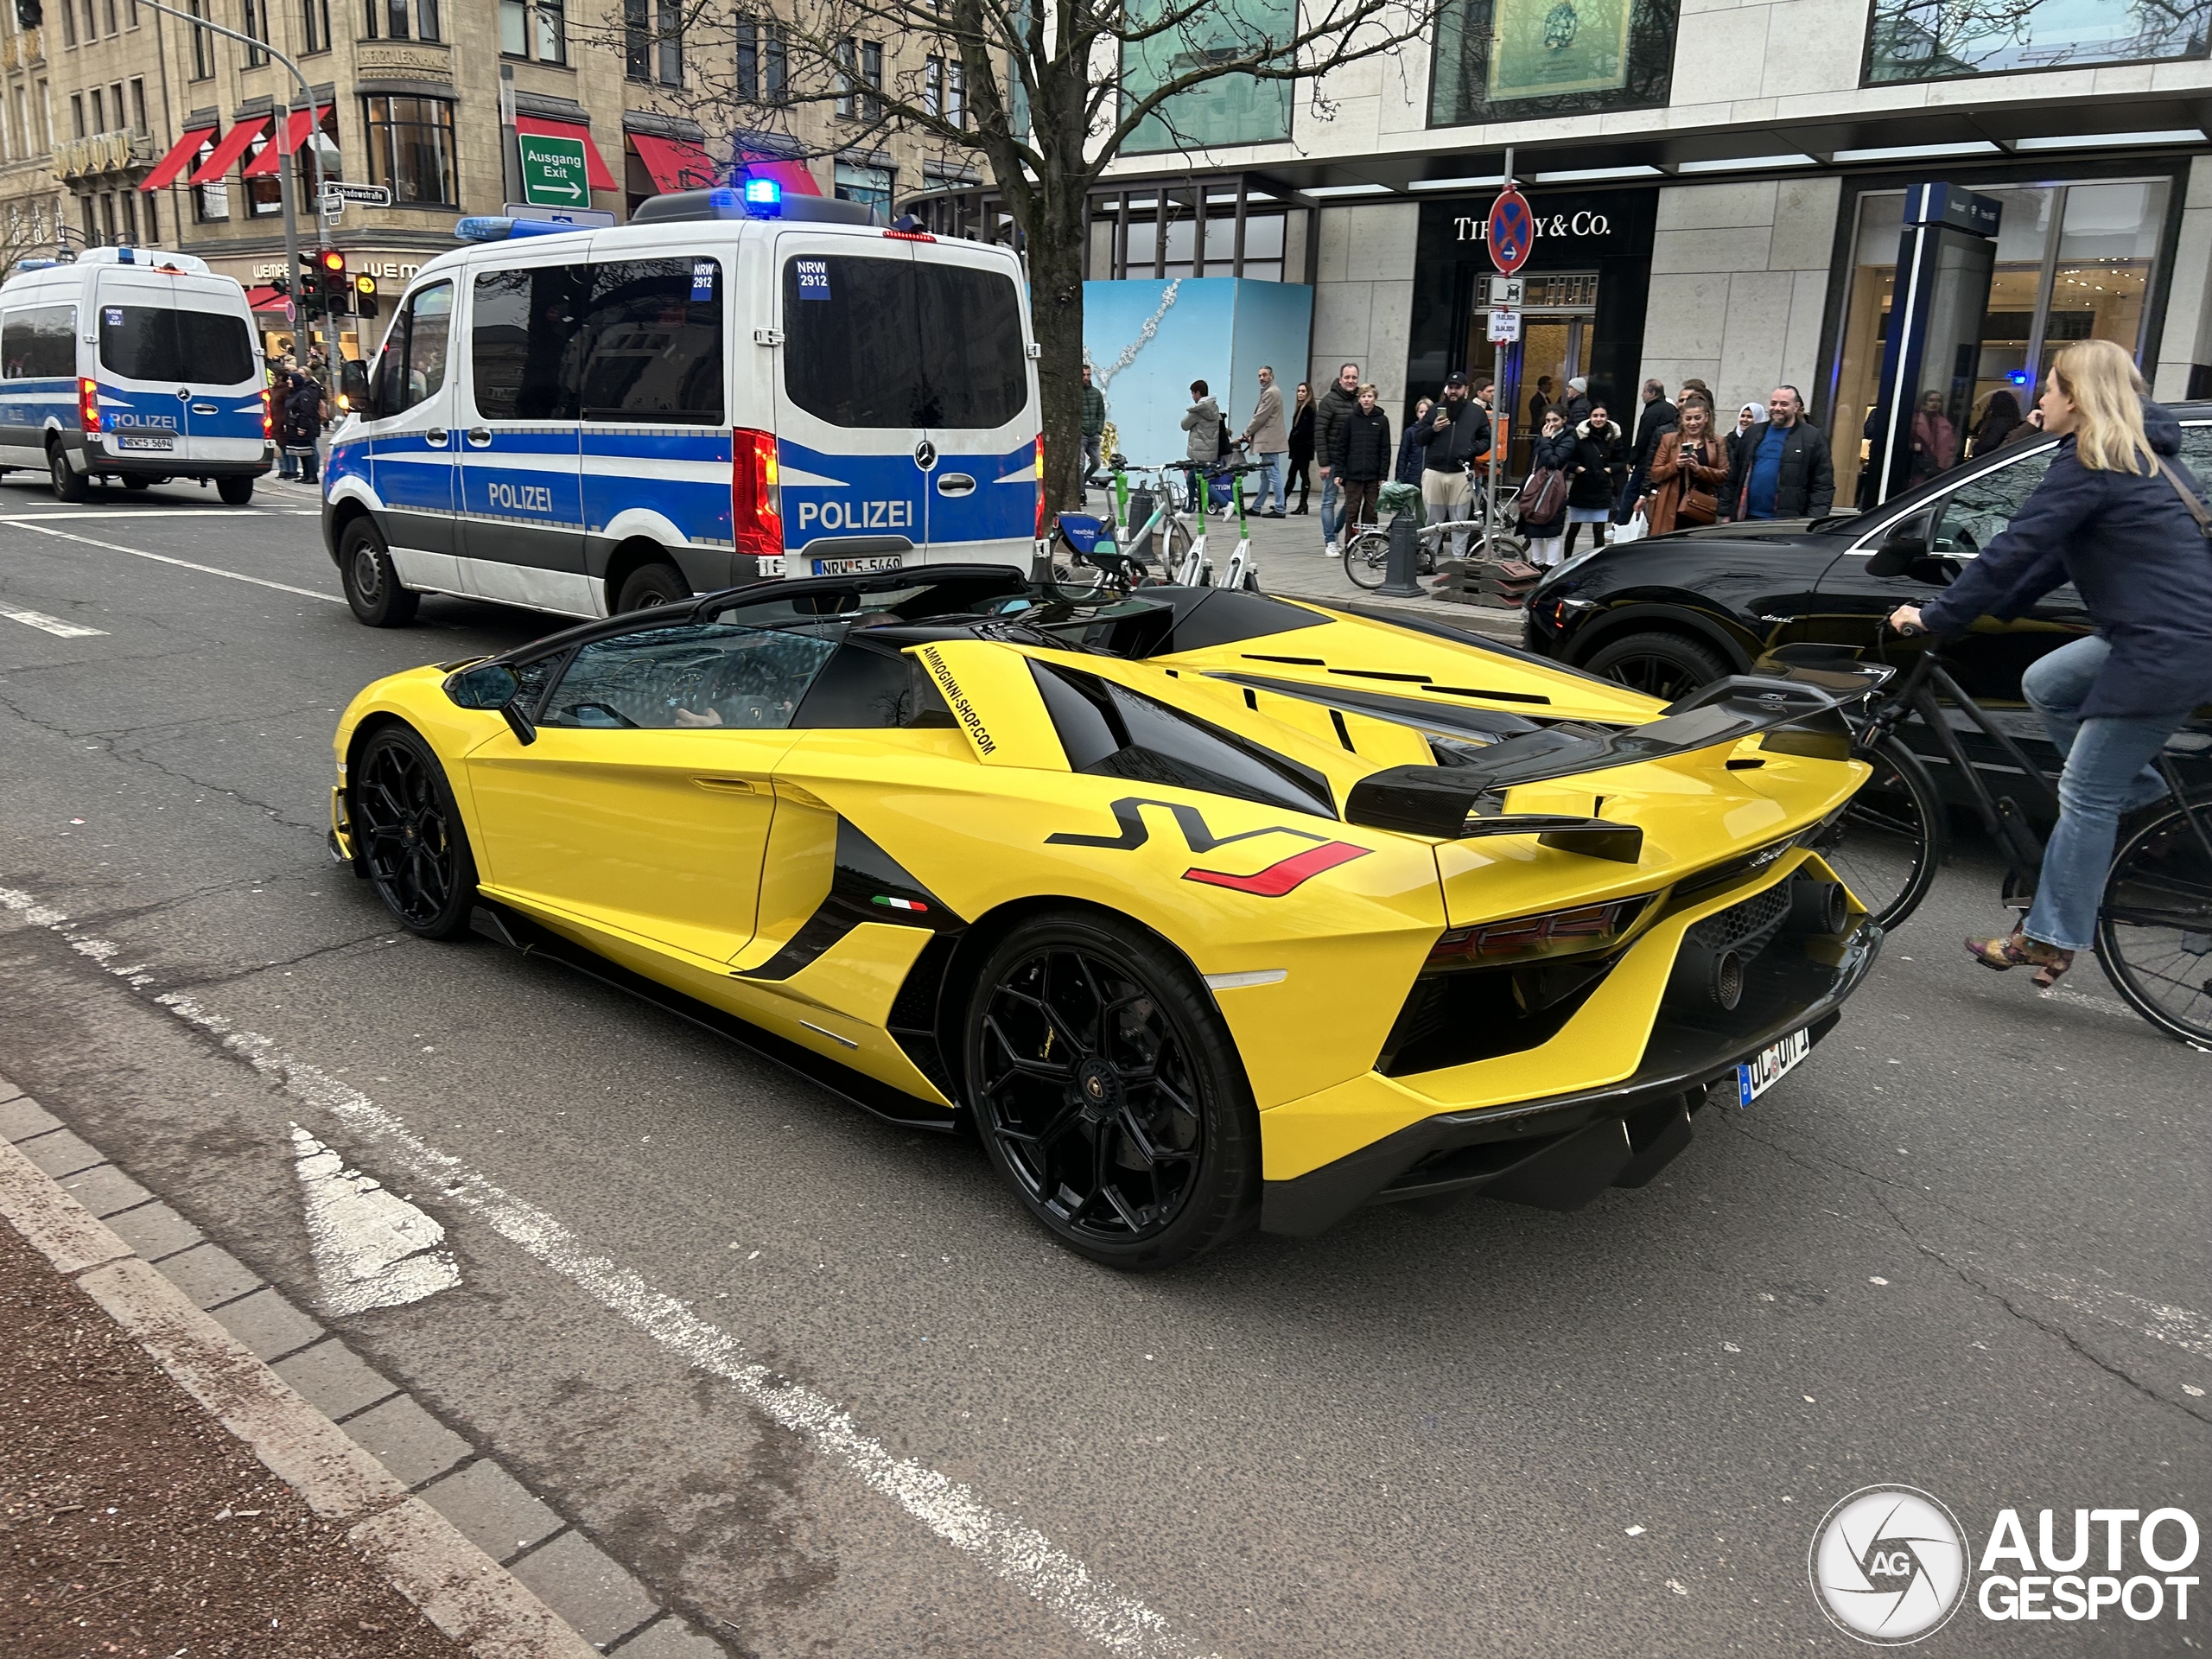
1887,843
2154,928
1175,553
1074,576
1367,559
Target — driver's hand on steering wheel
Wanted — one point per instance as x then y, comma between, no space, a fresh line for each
1906,620
687,717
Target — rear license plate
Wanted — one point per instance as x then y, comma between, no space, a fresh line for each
159,442
858,567
1765,1069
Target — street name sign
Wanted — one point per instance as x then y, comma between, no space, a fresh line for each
368,195
553,172
582,218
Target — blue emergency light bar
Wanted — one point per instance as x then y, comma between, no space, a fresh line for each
492,227
765,195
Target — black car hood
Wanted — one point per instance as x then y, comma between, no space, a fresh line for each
1759,530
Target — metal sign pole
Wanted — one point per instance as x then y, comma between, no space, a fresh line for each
1490,504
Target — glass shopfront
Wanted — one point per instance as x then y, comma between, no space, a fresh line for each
2074,261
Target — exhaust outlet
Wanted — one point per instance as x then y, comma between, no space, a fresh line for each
1817,906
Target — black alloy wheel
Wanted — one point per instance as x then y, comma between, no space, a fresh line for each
410,835
1109,1093
68,484
1667,666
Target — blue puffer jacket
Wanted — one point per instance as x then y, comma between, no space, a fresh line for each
2143,569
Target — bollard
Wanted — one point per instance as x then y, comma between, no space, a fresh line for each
1141,506
1405,546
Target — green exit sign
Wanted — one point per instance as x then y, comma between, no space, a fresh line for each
553,172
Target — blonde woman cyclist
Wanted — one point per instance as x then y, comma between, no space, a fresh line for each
2112,516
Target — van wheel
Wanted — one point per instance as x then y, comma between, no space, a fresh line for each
235,491
650,584
68,483
371,585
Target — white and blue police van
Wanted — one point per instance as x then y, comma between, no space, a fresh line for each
733,386
133,364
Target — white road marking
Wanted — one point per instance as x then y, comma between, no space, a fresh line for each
182,564
372,1248
113,513
1011,1549
2179,1327
53,624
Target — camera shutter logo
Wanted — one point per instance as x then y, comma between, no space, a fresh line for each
1888,1565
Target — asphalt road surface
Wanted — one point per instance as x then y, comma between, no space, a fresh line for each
822,1384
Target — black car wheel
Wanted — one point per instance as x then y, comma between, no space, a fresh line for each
412,837
235,491
68,483
651,585
1662,665
371,585
1109,1094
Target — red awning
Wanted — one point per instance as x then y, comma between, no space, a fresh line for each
675,164
264,299
177,160
297,126
232,147
537,126
792,175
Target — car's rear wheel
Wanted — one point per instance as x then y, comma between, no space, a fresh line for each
1662,665
1108,1092
68,483
412,837
235,491
365,570
650,584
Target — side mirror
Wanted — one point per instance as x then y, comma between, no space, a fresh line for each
492,685
1904,543
1934,571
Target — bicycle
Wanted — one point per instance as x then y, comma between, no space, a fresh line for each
1367,550
1243,568
1091,556
2154,919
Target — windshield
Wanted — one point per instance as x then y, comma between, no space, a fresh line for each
152,342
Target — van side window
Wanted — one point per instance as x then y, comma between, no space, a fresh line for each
522,342
652,340
39,344
166,345
412,365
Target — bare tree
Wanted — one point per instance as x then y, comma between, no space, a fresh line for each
1047,98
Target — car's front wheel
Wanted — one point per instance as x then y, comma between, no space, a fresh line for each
1662,665
1108,1092
373,589
412,837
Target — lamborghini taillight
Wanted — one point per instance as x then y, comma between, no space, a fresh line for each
756,509
88,404
1553,933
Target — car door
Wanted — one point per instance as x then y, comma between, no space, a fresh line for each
1956,523
409,440
643,805
852,454
979,409
521,531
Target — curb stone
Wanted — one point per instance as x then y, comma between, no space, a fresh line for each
458,1588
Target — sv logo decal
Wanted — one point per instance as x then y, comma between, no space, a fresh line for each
1284,875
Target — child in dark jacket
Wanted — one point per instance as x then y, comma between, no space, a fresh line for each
1362,458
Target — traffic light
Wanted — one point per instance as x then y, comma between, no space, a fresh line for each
365,295
337,292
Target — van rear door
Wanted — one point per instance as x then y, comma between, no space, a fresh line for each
178,374
980,411
851,450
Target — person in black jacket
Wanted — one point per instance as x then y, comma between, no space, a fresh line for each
1454,431
1410,448
304,409
1656,416
1600,468
1780,470
1302,446
1363,460
1551,453
2110,518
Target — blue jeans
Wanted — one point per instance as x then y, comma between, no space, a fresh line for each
1329,508
1270,476
2108,774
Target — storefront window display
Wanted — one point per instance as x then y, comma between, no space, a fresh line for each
2074,262
1942,40
1518,60
1232,109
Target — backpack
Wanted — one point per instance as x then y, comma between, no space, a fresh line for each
1222,444
1543,496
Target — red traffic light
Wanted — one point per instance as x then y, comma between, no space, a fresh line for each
332,261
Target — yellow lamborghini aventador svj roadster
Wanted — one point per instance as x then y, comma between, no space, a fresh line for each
1205,909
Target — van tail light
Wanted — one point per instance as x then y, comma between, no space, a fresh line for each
268,416
88,404
756,502
1040,487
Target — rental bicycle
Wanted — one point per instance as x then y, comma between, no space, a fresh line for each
2154,921
1091,557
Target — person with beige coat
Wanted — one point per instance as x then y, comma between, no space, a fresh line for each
1268,439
